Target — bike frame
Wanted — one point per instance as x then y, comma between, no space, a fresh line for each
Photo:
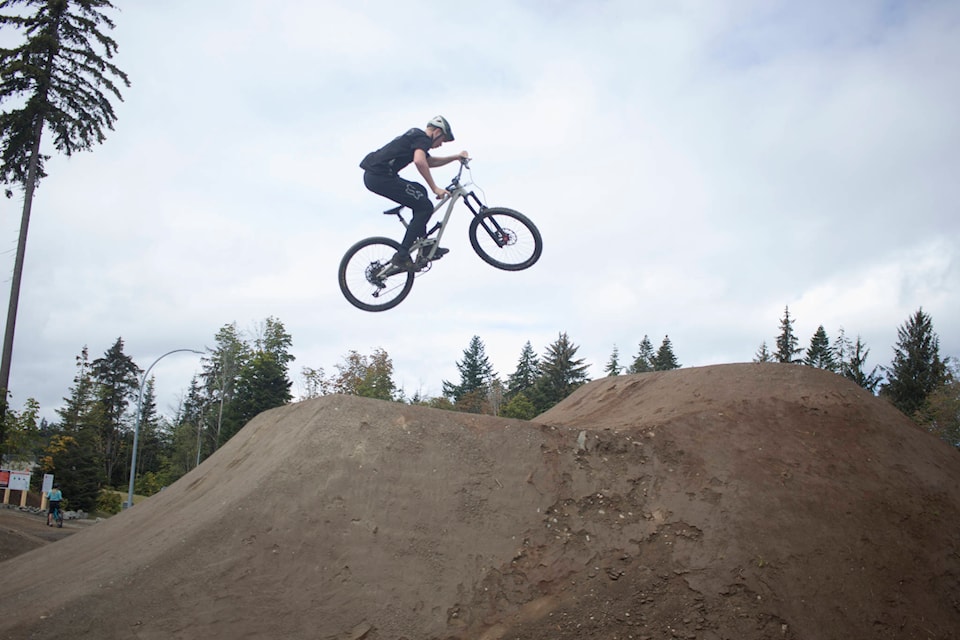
457,191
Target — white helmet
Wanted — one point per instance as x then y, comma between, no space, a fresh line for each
441,123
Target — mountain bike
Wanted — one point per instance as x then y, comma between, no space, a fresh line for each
57,517
503,238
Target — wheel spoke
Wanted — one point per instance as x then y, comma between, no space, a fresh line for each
367,278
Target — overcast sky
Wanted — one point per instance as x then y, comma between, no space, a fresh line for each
694,167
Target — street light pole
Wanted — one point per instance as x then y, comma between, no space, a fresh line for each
136,426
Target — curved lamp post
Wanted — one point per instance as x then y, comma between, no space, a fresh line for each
136,426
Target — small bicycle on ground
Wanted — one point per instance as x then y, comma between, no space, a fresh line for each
501,237
56,517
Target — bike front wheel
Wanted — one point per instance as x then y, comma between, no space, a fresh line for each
368,280
505,239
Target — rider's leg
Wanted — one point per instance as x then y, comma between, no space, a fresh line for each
409,194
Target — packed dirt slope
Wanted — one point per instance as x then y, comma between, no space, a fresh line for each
728,502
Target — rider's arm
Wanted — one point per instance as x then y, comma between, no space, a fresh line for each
439,162
423,163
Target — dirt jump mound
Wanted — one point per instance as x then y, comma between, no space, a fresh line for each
728,502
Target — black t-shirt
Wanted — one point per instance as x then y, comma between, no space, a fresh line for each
398,153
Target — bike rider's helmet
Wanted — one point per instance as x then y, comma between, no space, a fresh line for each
441,123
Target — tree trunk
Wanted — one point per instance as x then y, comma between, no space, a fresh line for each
15,285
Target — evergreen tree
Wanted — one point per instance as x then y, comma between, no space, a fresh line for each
665,360
241,381
940,413
262,385
221,371
526,374
560,374
74,413
276,342
476,374
72,453
54,78
763,353
645,357
820,354
613,367
916,370
150,441
787,349
854,363
117,383
191,437
74,461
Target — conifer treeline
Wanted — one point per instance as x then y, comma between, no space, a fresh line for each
242,375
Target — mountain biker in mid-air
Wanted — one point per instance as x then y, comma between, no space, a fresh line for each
380,176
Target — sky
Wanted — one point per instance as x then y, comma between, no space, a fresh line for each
694,168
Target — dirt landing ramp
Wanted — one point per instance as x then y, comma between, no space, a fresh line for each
737,501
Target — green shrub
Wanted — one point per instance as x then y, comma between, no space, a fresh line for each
109,502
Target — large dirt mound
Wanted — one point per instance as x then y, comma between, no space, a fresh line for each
736,501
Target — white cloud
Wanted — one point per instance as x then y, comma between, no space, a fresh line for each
693,169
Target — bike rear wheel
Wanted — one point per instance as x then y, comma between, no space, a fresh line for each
368,280
505,239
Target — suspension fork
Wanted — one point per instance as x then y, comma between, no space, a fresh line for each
489,224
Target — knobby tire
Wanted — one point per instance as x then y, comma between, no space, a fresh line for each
361,279
505,239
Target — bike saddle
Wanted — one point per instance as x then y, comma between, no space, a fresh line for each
393,212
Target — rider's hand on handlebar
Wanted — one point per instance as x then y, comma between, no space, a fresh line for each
440,193
464,157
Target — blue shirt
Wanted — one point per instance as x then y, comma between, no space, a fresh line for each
55,495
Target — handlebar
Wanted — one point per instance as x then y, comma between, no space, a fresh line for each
464,164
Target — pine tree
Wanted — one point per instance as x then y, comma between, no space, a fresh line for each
665,360
560,374
645,357
853,362
787,349
476,374
54,79
613,367
191,438
73,415
940,413
916,370
74,461
117,384
150,439
820,354
220,374
262,380
763,353
526,374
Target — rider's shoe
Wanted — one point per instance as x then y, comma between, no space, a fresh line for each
439,253
401,260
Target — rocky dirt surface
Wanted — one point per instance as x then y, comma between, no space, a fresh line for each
730,502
